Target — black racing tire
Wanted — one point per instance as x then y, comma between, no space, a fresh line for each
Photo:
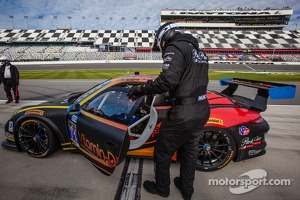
217,148
36,138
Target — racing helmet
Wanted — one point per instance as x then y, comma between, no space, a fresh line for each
4,59
164,34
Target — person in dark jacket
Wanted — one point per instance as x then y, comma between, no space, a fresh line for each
184,77
9,76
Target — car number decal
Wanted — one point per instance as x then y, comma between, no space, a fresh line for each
73,132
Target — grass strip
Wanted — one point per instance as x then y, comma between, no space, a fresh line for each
106,74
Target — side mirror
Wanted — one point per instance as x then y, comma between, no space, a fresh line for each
74,108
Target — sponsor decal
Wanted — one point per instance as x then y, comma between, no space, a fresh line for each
201,98
215,121
167,59
254,152
156,130
29,121
74,118
249,143
169,53
227,161
35,112
10,126
199,57
64,101
106,158
243,130
73,132
165,66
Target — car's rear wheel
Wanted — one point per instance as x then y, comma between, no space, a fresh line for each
36,138
217,148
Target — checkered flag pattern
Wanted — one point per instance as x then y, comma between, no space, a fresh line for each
145,38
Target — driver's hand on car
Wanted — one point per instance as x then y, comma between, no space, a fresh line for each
135,92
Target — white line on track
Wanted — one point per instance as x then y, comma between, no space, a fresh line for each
42,101
249,67
291,106
75,81
24,101
131,184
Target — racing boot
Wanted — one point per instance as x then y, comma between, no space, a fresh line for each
178,185
17,99
151,187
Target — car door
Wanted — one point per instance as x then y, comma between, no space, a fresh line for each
99,128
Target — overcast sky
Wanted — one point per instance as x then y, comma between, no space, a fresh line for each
115,14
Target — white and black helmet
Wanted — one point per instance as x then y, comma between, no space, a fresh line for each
164,34
4,59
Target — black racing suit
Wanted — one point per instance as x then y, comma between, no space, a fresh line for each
11,83
185,76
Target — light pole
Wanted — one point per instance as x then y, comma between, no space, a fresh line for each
136,35
97,18
41,18
83,22
26,17
111,19
123,19
135,18
70,18
274,47
55,17
297,22
12,21
148,19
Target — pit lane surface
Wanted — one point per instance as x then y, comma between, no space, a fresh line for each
65,175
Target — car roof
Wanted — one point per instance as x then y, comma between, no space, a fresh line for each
134,78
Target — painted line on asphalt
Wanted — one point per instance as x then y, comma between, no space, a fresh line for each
296,106
75,81
130,182
250,67
42,101
25,101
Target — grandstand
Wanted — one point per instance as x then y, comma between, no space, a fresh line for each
245,19
234,43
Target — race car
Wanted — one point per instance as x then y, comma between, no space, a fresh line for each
106,127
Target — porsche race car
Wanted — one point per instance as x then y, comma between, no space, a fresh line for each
106,127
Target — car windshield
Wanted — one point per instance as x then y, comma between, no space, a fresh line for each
112,104
91,91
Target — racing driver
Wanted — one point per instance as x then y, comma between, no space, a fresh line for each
184,77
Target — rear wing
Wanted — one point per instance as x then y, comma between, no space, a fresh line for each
275,91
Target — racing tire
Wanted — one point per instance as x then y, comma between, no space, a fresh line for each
36,138
217,148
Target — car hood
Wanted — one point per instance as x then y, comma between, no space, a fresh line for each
56,102
62,101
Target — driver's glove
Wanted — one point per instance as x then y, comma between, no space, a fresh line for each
136,92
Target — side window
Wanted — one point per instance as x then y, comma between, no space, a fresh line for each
113,105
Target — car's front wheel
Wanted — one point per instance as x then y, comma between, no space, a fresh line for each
217,148
36,138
